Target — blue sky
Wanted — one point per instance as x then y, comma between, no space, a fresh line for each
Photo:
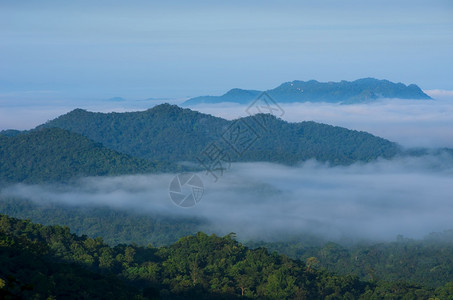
81,50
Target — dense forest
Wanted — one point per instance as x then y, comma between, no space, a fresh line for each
427,262
55,154
170,133
49,262
114,226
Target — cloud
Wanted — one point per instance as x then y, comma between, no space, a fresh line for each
375,201
412,123
439,93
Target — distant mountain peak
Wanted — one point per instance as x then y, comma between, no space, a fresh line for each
234,95
346,92
116,99
237,91
166,107
79,110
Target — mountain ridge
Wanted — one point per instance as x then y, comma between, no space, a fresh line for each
83,143
346,92
55,154
171,133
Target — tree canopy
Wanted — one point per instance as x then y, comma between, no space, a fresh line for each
44,262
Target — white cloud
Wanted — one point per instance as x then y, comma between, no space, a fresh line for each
412,123
409,196
439,93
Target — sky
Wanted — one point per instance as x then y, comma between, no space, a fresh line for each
60,52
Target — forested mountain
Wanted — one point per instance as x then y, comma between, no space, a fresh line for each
115,226
170,133
427,262
165,132
11,132
55,154
43,262
346,92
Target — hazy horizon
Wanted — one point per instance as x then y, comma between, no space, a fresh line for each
86,50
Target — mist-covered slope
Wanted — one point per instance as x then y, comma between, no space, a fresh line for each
346,92
54,154
170,133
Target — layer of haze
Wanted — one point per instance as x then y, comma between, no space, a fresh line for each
374,201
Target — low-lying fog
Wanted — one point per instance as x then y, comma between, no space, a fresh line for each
379,200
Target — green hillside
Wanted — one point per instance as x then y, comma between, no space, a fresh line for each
55,154
427,262
43,262
170,133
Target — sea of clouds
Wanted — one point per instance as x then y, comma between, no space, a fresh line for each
412,196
